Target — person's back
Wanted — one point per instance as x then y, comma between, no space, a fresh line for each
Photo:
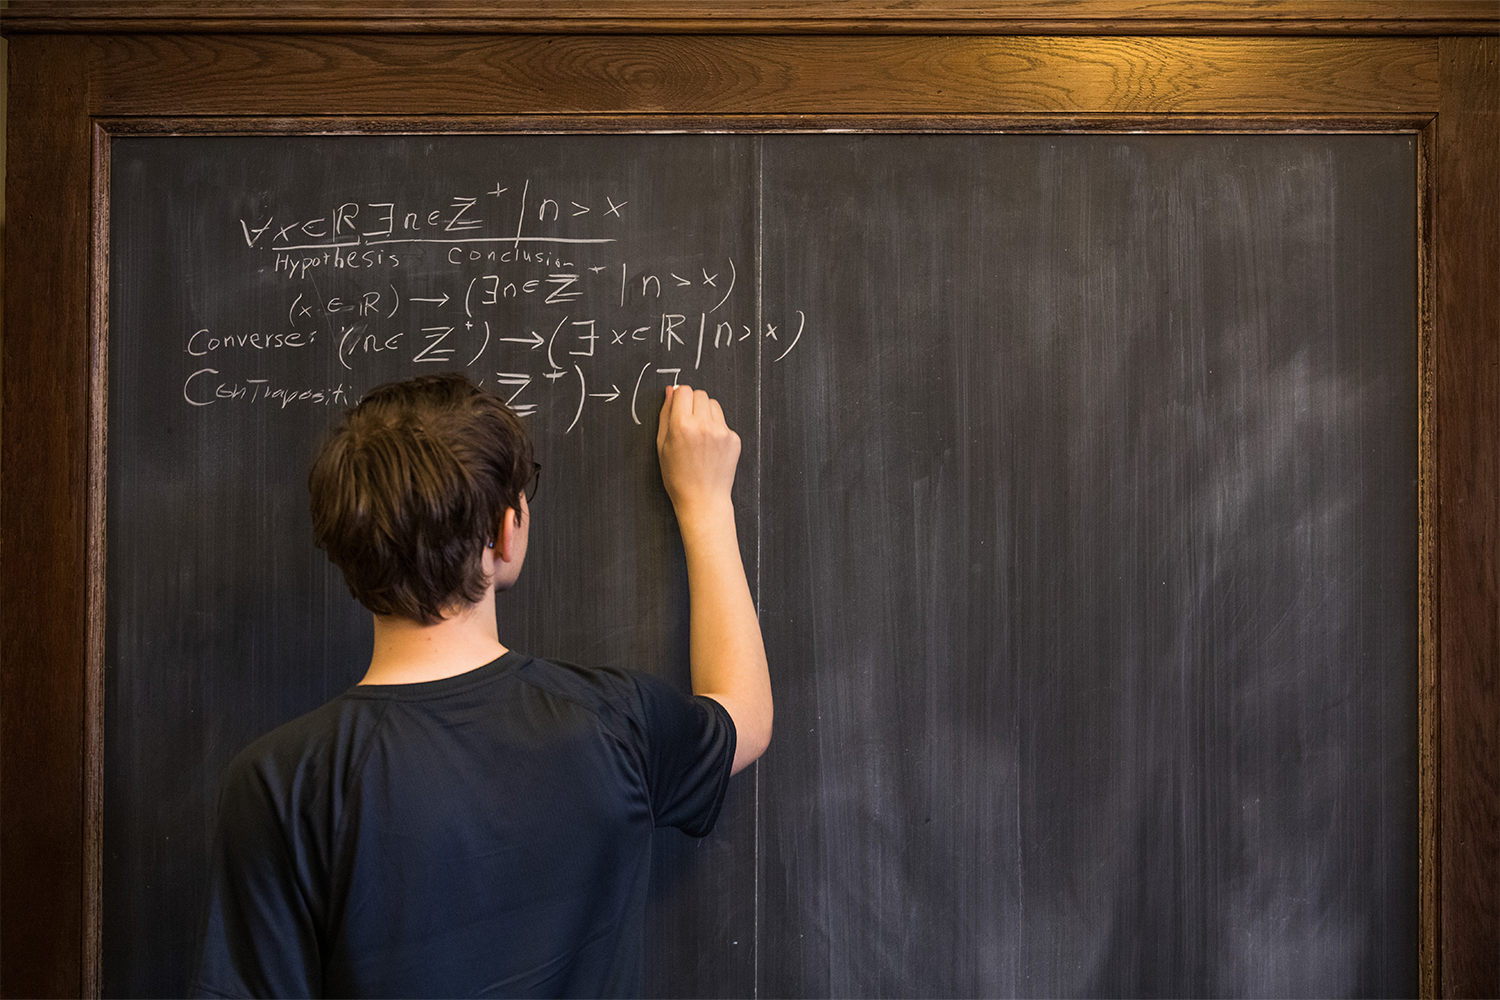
469,820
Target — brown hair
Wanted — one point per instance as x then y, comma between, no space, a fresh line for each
409,489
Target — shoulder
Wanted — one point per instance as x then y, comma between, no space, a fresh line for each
302,758
640,704
611,695
588,686
685,744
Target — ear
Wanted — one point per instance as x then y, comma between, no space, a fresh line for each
504,549
492,556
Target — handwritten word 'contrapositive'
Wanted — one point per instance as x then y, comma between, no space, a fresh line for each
204,388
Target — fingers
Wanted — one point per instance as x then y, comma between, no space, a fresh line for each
688,401
666,414
682,404
702,411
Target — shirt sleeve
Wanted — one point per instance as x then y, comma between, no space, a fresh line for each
259,938
690,751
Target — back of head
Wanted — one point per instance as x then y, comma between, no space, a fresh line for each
406,493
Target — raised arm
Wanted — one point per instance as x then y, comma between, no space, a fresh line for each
698,455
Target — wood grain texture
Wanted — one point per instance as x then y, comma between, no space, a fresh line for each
1030,17
759,124
1429,715
43,625
1468,369
95,590
280,75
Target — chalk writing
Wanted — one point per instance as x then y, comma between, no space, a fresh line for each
203,388
523,287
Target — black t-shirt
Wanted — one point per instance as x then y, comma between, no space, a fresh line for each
483,835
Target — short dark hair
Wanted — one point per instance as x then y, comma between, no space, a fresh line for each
410,488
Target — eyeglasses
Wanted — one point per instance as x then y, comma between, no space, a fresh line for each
533,482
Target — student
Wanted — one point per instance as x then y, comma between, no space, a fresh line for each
469,820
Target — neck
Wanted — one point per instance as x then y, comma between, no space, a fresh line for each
408,652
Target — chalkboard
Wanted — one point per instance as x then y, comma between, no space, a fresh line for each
1078,494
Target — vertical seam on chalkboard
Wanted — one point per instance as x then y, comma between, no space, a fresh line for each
760,433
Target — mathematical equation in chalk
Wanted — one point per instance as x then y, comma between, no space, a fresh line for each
557,318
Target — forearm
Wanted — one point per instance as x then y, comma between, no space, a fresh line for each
698,455
727,653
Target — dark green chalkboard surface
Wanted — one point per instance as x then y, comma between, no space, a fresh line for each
1078,493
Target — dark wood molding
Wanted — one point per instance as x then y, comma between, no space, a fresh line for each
1014,17
763,124
44,529
140,75
1467,334
1429,716
94,596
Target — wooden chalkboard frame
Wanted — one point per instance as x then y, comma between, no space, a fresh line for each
82,72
